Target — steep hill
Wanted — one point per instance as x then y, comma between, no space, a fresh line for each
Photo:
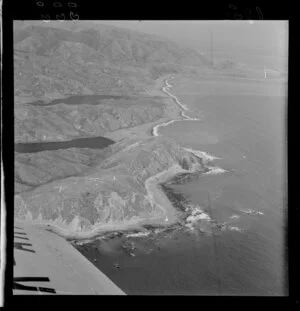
63,59
110,193
35,169
84,117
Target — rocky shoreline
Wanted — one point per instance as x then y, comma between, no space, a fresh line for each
178,211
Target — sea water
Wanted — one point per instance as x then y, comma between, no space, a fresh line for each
243,126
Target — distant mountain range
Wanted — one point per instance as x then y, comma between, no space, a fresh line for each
57,60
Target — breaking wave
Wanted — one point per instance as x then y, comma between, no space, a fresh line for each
205,156
187,118
196,216
155,128
138,234
234,217
231,228
214,170
183,107
165,90
252,212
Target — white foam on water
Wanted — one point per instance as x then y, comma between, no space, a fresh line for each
196,215
205,156
165,89
137,235
155,128
252,212
158,230
190,226
215,170
234,217
231,228
196,211
202,154
168,84
187,118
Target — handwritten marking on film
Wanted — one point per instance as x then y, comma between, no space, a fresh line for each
59,16
244,12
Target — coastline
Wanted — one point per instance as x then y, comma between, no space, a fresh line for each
158,196
172,112
155,194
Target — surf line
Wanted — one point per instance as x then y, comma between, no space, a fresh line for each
205,156
184,108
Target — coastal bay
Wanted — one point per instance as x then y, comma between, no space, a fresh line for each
247,206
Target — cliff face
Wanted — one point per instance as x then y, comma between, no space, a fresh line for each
112,192
90,117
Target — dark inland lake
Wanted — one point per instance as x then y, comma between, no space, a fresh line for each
90,142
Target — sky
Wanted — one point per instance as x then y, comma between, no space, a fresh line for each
255,35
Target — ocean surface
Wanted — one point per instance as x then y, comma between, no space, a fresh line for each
243,123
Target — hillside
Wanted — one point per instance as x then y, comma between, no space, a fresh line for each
55,61
83,80
112,192
98,72
91,116
35,169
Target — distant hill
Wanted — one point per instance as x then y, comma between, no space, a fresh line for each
58,59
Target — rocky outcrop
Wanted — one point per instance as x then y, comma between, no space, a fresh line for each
112,192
